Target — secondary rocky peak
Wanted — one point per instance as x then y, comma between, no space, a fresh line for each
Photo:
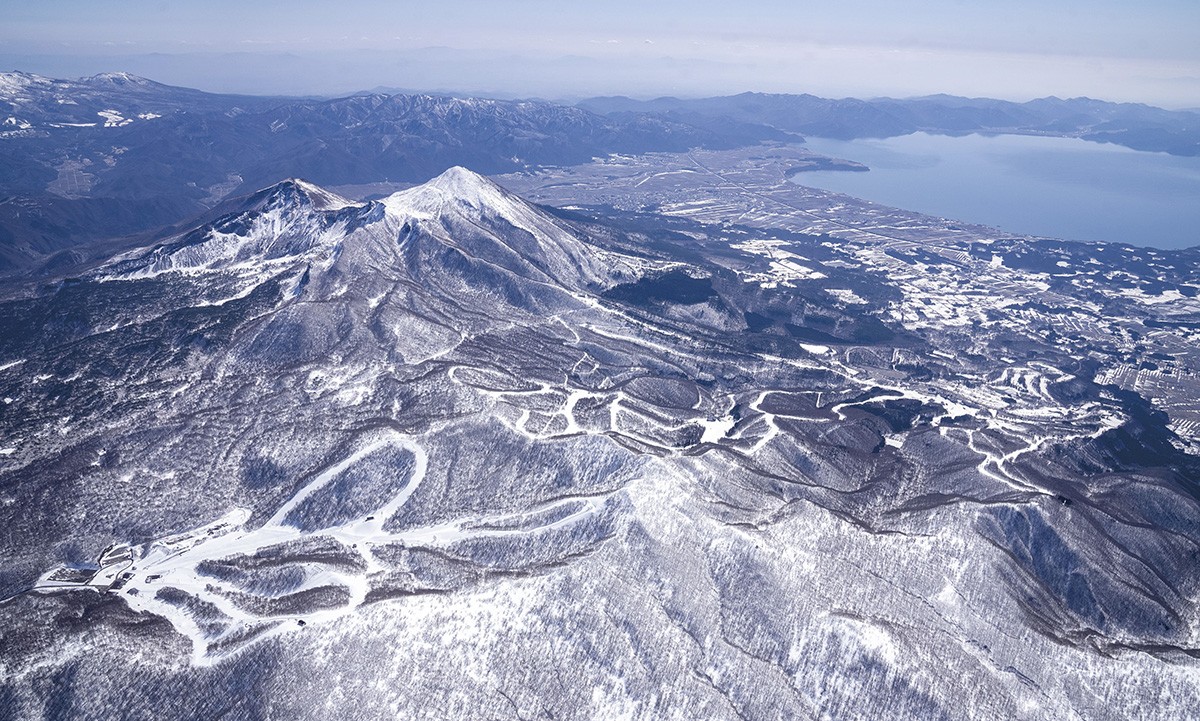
292,219
300,193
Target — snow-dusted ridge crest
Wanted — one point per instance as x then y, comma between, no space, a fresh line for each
296,221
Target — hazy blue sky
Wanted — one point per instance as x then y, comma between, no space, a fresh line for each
1120,50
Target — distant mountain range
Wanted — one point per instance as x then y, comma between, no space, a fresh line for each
88,165
1141,127
116,154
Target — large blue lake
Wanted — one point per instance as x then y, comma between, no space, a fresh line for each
1058,187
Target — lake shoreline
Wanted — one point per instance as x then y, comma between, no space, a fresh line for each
1035,185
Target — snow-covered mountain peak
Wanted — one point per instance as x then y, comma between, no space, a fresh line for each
459,233
467,211
455,187
461,182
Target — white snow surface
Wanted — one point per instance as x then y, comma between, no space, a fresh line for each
139,572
